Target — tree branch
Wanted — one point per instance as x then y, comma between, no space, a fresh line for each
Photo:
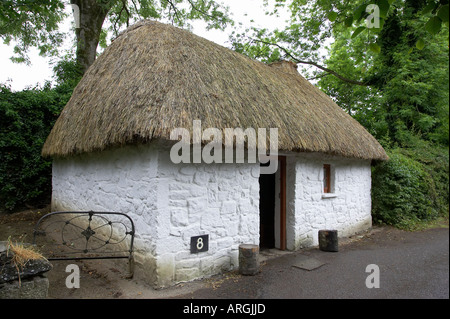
321,75
135,6
118,18
193,6
127,11
329,71
174,8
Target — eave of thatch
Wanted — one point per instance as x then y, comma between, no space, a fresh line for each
155,77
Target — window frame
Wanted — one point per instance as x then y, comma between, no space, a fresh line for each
327,189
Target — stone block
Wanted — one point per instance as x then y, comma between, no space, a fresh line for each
31,288
179,217
187,274
228,207
8,270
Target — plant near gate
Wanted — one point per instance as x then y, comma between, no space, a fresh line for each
20,256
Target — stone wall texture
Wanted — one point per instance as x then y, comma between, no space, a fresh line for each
170,203
347,209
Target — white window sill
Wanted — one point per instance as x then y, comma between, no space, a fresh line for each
329,195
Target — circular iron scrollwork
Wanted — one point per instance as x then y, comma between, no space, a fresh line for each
89,232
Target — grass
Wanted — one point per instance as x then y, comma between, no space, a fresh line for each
440,222
421,225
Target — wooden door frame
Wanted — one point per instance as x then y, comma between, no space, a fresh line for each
282,160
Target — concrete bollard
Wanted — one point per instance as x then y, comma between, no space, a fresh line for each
248,259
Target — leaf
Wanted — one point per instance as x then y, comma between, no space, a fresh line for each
420,44
434,25
374,48
332,16
381,24
443,13
384,7
429,7
358,13
348,21
358,31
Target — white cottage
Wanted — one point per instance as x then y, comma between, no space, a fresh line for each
111,151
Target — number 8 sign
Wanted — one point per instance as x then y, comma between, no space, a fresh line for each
199,244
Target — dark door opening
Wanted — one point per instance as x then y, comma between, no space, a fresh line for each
267,210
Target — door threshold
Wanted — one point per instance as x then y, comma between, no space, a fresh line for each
269,253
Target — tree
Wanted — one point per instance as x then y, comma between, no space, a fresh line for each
409,87
314,24
34,23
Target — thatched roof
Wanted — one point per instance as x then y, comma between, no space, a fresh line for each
155,77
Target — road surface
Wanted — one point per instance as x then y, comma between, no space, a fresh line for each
408,265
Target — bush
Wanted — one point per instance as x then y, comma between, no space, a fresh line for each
26,119
406,190
435,162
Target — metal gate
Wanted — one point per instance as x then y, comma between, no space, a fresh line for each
86,235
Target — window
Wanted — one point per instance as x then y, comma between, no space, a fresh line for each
327,178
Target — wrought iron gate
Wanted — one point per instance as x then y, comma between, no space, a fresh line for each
86,235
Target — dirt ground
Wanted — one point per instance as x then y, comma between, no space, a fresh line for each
105,279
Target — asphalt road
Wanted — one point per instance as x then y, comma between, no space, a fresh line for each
411,265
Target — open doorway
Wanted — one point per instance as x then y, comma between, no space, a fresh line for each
272,207
267,211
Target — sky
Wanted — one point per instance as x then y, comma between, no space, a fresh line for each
20,76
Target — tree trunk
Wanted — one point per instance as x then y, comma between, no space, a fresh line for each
248,259
328,240
92,14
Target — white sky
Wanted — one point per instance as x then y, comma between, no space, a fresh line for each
20,76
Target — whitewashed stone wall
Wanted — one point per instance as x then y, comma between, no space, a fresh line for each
347,209
121,180
169,204
219,200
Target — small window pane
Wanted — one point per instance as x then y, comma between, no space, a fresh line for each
326,178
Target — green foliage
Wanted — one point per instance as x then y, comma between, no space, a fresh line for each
408,95
435,161
433,14
32,23
178,12
314,24
405,107
67,73
411,187
26,119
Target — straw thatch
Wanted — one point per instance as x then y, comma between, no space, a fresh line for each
155,77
